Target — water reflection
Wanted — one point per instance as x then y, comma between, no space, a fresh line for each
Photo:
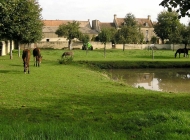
170,80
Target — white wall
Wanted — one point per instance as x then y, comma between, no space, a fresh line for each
6,47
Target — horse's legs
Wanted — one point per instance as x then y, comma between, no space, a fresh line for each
34,60
37,61
24,68
28,69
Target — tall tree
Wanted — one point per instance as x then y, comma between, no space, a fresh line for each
175,35
7,26
20,21
105,36
69,30
130,20
30,29
129,32
182,6
186,35
167,22
84,38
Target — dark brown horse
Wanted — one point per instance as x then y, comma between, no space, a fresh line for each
37,57
184,50
26,60
65,54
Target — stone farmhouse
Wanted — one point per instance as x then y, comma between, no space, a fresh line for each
50,26
145,24
92,29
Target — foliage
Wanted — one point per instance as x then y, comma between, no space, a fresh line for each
186,35
20,21
175,35
167,23
84,38
130,20
129,32
105,36
69,30
153,39
182,6
32,30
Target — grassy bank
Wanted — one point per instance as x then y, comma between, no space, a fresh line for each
74,101
130,59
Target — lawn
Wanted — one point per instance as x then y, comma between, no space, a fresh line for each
79,101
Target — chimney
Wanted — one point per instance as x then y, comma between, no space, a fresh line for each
89,23
115,16
115,21
149,17
95,25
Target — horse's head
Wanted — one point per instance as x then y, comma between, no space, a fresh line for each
25,66
26,59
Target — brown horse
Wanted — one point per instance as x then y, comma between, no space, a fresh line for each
26,60
37,57
179,51
65,54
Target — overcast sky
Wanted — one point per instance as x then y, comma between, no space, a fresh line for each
102,10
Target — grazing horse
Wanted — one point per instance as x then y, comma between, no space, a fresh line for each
26,60
185,51
37,57
65,54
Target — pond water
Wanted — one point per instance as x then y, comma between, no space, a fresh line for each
169,80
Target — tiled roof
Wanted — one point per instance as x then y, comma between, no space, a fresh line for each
52,26
143,22
106,25
49,29
119,21
87,30
59,22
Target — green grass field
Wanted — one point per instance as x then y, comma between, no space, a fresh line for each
78,101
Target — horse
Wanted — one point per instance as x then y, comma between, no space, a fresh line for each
65,54
185,51
37,57
26,60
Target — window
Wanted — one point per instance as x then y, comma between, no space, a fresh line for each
146,35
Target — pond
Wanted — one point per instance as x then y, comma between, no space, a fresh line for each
169,80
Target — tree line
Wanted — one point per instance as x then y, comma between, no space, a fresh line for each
20,21
168,28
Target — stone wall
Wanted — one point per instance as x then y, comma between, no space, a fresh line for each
99,45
